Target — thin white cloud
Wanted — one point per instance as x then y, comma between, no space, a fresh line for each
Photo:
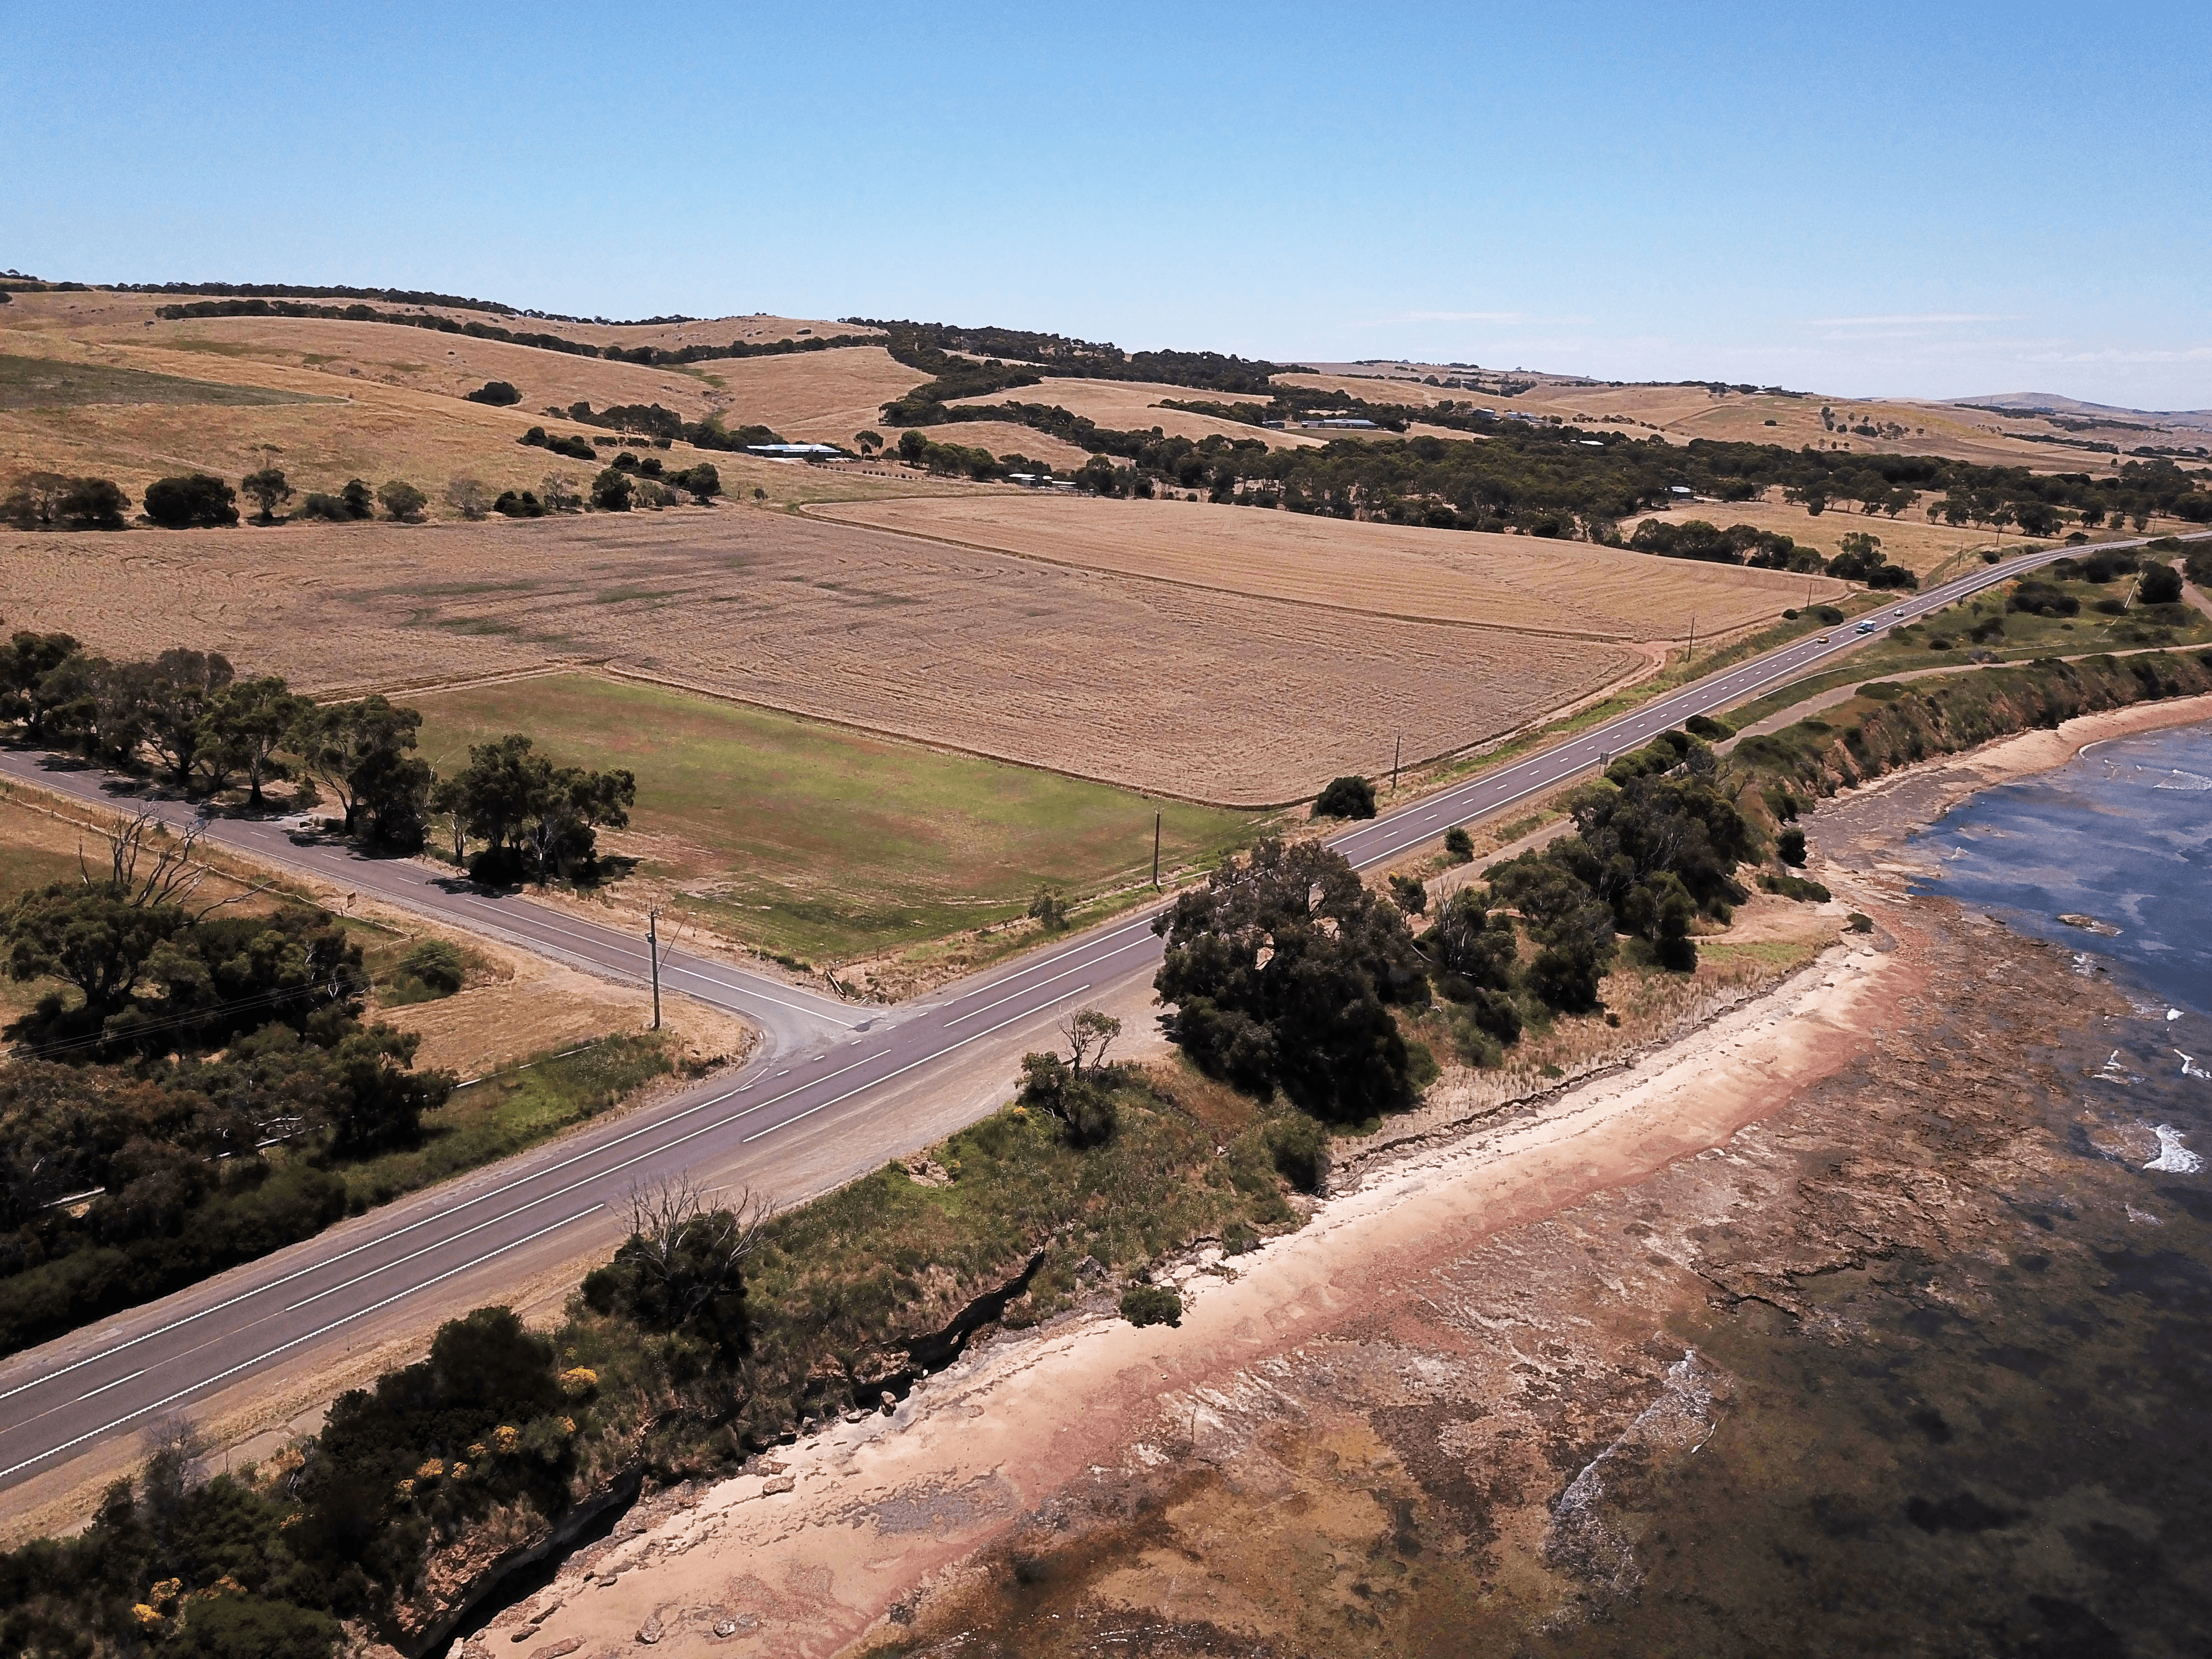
2114,354
1928,318
1461,316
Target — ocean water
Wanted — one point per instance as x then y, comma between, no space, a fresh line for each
2123,834
2005,1450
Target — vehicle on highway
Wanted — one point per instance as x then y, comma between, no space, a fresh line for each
1823,640
1866,628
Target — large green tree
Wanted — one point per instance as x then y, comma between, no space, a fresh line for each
361,751
1282,972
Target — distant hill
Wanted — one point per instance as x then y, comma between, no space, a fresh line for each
2052,402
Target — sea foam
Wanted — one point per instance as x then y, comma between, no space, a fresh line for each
2173,1157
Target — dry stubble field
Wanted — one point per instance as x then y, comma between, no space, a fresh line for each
1133,406
1519,582
1175,690
1681,413
385,401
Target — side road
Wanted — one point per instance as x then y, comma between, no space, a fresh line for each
838,1092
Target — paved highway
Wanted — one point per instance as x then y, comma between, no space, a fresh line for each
836,1091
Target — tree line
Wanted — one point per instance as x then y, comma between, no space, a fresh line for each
1283,973
1859,557
1018,357
186,721
200,500
646,356
1547,480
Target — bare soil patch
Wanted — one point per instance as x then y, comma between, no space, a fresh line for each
1446,575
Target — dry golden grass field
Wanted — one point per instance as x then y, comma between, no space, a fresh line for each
1133,406
1517,582
1162,687
1908,539
385,402
1680,413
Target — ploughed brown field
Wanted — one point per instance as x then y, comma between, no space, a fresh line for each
1220,696
1520,582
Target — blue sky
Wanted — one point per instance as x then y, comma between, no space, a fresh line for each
1929,199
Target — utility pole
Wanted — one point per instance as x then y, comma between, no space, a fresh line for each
1693,642
1397,750
652,950
1156,851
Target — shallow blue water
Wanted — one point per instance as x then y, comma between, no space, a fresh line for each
2123,833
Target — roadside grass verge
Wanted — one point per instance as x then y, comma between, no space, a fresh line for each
508,1112
818,844
2025,638
845,1292
1679,669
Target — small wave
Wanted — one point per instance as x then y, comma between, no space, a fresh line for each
2189,1067
2173,1157
2181,780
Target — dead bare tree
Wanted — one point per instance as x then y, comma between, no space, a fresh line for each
690,1246
153,867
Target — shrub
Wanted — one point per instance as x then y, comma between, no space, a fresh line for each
2042,599
610,491
1410,894
1826,615
193,501
328,508
438,963
1858,922
470,497
1048,910
498,393
1151,1304
48,501
1797,887
1297,1146
1705,726
252,1628
1345,798
703,480
523,505
1789,847
1459,846
2162,585
402,501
